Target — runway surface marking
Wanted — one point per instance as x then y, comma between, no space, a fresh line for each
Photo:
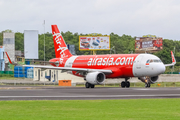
156,89
85,96
145,89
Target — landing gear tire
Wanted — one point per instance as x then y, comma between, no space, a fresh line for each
123,84
87,85
127,84
148,85
92,86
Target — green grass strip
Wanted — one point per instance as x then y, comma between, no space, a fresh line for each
133,109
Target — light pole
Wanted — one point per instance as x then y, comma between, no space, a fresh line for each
44,42
112,49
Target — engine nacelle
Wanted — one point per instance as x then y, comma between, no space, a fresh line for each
95,78
151,80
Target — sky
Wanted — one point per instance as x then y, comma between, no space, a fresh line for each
130,17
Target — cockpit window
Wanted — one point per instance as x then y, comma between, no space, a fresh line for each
160,61
154,61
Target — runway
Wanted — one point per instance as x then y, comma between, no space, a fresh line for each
81,93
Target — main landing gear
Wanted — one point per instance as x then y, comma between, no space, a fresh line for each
88,85
125,83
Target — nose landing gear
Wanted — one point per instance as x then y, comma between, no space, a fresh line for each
147,85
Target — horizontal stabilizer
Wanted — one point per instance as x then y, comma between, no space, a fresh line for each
10,59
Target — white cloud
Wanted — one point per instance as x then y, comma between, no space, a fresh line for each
132,17
1,2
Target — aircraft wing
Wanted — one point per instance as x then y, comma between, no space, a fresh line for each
173,60
64,69
169,64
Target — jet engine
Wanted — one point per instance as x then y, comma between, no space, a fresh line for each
95,78
151,80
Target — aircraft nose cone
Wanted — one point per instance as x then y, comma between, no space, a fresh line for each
161,69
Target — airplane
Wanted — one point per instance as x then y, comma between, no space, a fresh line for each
96,68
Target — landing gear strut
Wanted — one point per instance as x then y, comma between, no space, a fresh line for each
125,83
88,85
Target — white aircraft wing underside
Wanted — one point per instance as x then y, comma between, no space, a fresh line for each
70,69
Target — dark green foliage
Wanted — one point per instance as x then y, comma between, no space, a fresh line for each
19,41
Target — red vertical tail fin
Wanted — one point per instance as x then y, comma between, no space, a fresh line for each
60,47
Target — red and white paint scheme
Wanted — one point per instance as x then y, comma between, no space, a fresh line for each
96,68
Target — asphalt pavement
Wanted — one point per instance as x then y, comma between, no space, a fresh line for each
82,93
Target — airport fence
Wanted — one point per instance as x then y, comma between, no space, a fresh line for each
7,78
6,74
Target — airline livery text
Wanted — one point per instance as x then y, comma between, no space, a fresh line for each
111,61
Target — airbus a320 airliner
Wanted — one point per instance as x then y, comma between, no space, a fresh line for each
96,68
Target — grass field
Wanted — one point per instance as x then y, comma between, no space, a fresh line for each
135,109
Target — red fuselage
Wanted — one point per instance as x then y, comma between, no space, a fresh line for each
120,64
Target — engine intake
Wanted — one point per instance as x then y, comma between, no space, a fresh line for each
154,79
95,78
